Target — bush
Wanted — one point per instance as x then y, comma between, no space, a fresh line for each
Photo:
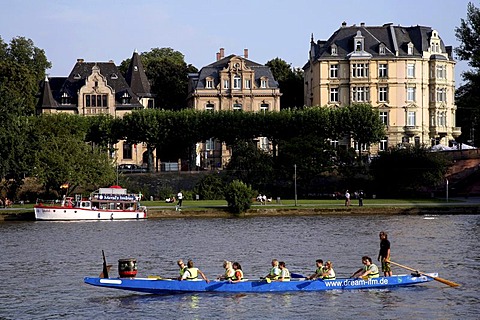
210,187
239,196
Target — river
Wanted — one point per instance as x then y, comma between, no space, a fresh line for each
44,264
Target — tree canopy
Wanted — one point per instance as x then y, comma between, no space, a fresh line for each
468,95
290,81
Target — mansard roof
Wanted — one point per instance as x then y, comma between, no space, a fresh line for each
137,78
394,38
212,70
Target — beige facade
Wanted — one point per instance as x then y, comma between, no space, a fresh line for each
231,83
405,72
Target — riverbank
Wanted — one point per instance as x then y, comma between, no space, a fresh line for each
24,214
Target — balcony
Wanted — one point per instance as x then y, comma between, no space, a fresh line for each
456,132
412,130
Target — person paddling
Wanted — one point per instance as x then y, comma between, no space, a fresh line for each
192,273
368,271
319,271
274,273
238,276
229,271
285,273
328,272
182,267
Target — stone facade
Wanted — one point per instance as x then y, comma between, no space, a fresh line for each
405,72
232,83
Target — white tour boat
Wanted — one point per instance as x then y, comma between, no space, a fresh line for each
112,203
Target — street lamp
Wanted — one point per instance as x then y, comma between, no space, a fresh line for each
295,182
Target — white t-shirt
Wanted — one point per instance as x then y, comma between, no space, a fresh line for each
179,196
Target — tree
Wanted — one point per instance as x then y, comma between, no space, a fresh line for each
210,187
239,196
290,82
59,154
468,95
408,172
168,73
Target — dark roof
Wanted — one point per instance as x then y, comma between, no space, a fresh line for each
212,70
69,86
46,100
136,77
395,38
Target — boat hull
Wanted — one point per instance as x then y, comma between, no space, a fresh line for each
164,286
65,213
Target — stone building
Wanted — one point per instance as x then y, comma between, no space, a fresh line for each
232,83
95,88
405,72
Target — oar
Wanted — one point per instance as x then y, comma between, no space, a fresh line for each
104,273
444,281
297,275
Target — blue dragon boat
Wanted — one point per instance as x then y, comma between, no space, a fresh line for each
167,286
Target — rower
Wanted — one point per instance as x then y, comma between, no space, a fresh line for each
238,276
182,267
191,273
328,272
275,271
285,274
368,271
319,271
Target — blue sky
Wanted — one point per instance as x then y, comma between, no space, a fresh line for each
103,30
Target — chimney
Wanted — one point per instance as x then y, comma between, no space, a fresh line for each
80,60
344,24
218,56
245,53
362,24
222,53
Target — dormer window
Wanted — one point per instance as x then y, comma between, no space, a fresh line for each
410,48
209,83
333,50
65,98
113,76
359,42
77,76
135,68
126,98
381,49
263,83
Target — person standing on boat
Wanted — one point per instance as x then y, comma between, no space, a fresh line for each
275,271
285,273
229,272
384,254
182,267
368,271
191,273
328,272
319,271
238,275
180,200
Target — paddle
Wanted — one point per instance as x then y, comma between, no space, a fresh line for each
444,281
104,273
297,275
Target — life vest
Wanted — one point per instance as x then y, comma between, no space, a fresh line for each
275,273
229,275
320,271
192,273
286,274
235,275
374,271
330,274
182,271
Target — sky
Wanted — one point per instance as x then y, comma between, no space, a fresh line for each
103,30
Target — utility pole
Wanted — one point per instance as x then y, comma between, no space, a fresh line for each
295,182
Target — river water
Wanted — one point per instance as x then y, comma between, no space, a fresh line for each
43,265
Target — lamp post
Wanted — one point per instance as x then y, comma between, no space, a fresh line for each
446,185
